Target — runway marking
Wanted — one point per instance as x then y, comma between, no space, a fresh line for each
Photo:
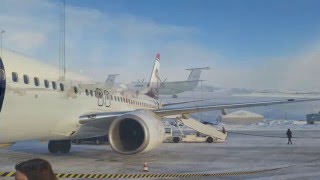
163,175
138,176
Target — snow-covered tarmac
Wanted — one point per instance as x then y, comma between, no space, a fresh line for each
241,152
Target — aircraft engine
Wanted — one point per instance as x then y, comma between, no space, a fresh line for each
136,132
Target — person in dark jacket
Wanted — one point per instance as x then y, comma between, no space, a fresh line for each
34,169
289,136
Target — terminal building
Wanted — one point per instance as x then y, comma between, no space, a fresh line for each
312,118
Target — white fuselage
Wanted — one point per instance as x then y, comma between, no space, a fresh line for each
32,112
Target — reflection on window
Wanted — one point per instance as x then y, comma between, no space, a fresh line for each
54,85
26,79
15,77
61,87
36,81
75,89
46,83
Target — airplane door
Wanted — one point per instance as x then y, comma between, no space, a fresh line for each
107,98
2,83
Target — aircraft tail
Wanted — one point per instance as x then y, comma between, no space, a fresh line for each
155,81
110,80
195,73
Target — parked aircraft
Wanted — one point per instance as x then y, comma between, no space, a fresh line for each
174,87
34,105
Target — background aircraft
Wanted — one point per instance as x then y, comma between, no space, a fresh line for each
174,87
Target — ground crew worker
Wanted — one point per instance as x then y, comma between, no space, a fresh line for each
223,130
289,136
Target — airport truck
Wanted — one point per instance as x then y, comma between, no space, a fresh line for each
194,138
204,133
189,138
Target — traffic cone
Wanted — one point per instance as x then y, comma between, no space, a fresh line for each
145,167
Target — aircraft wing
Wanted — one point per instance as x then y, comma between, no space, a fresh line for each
102,117
97,117
188,110
183,102
98,123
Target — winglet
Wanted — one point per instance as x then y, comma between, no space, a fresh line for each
154,83
158,57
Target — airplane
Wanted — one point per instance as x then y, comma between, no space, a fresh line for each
175,87
59,111
110,82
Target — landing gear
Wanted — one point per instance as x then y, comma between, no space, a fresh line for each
63,146
209,140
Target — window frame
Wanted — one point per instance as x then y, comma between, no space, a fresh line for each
46,83
36,81
26,79
54,85
61,85
15,77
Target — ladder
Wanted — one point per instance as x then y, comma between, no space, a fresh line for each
202,128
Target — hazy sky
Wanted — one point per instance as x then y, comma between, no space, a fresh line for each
263,44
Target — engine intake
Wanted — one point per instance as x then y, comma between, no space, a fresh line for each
136,132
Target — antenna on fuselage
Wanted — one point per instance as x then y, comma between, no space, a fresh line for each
62,42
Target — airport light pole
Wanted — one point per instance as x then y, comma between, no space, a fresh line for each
2,31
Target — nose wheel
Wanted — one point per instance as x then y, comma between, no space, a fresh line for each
62,146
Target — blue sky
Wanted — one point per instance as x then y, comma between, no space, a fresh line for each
250,43
249,29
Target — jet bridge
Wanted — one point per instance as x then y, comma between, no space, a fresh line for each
202,128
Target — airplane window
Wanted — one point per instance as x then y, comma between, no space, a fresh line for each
26,79
87,92
61,87
36,81
111,98
46,83
91,92
118,98
54,85
75,89
15,77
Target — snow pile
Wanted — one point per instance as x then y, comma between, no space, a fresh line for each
274,124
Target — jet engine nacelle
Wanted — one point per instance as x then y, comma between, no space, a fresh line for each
136,132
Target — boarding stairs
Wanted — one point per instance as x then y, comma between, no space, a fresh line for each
203,128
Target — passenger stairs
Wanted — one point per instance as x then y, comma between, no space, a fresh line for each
202,128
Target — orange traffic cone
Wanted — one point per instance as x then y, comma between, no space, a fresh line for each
145,167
